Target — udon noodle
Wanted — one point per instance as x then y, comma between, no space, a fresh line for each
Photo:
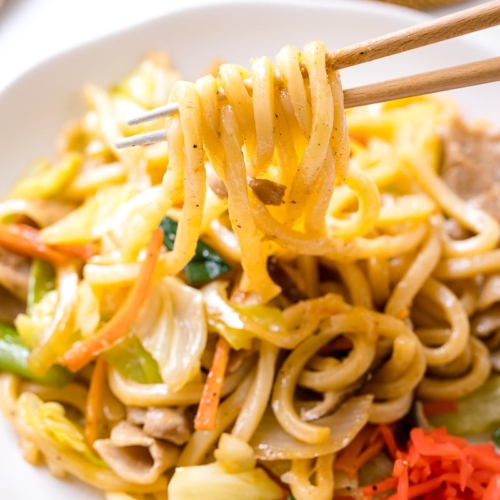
337,292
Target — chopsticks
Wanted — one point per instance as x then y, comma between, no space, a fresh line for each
433,31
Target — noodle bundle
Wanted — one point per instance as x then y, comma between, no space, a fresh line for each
236,306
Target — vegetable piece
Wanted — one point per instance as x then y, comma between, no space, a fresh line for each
24,240
41,280
206,264
475,413
133,361
212,482
365,446
438,465
209,404
50,181
49,420
495,437
14,358
376,469
272,442
234,455
116,329
56,337
389,440
173,329
93,408
82,251
238,324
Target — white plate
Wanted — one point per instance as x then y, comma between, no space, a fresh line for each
35,107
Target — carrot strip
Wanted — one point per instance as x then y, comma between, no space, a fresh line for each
493,490
209,403
389,440
435,408
117,327
402,489
24,240
488,463
346,459
93,409
370,452
437,465
82,251
381,487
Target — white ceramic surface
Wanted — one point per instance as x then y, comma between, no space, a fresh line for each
37,104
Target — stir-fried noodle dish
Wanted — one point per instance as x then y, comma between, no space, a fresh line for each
283,299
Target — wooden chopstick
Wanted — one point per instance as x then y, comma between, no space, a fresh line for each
455,77
426,33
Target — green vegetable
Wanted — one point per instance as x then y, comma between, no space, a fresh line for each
41,280
50,180
206,265
50,420
477,413
133,361
495,437
14,359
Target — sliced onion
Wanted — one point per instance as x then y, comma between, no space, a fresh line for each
272,442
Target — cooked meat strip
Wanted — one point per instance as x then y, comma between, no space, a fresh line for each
10,307
14,273
164,423
471,165
135,456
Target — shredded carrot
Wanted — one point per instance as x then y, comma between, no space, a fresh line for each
438,466
24,240
348,458
368,453
93,409
209,403
493,490
381,487
389,440
82,251
117,327
401,472
435,408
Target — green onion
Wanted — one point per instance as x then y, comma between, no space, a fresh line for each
206,265
41,280
495,437
133,361
14,359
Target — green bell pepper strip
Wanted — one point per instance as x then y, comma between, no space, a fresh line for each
206,264
133,362
42,279
14,359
